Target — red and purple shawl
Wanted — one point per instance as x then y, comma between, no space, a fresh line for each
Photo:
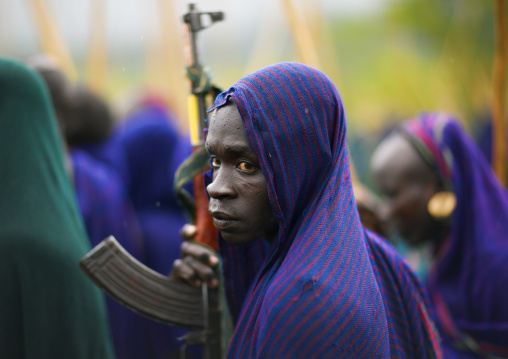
325,288
468,283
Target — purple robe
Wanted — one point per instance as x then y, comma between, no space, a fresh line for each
468,283
105,204
325,287
153,149
106,210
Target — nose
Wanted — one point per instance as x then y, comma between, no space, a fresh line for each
222,186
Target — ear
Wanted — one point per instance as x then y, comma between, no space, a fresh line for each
436,184
433,186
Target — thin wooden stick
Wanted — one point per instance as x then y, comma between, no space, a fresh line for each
302,38
174,67
97,61
51,42
498,95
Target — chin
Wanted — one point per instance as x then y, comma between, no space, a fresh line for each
235,238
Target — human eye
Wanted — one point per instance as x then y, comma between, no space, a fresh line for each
246,166
215,162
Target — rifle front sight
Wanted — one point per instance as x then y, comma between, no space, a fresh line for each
193,18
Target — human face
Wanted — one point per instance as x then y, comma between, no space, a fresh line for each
406,183
239,202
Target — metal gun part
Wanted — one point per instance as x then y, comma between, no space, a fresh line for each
155,296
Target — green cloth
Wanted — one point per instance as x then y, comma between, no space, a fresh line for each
48,307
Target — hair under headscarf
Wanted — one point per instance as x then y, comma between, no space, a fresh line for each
468,284
325,287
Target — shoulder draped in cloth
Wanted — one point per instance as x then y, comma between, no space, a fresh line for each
325,288
48,307
468,283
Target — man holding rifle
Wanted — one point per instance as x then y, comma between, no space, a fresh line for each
302,276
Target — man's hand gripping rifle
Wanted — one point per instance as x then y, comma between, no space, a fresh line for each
145,291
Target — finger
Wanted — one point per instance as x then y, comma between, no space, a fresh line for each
188,231
200,252
183,271
202,271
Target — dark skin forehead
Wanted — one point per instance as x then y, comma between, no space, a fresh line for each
396,160
407,182
227,136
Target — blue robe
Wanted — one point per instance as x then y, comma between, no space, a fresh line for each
325,287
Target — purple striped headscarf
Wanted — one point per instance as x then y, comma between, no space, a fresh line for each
468,284
325,287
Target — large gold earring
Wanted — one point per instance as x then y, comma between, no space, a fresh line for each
442,204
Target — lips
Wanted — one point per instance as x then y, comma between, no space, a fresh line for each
223,220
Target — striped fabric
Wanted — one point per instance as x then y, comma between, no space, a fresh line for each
325,288
468,283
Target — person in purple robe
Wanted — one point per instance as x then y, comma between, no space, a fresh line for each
106,210
153,150
438,188
141,155
303,278
145,149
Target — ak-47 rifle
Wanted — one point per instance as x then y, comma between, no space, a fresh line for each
145,291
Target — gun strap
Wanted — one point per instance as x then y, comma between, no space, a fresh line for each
200,78
195,165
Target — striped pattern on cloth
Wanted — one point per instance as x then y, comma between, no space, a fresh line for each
325,288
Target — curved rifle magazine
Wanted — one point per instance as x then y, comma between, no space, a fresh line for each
141,289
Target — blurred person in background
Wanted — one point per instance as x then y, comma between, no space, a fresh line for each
303,278
439,189
145,148
56,82
49,309
153,150
89,118
367,204
101,195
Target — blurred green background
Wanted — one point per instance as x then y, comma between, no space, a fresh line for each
389,59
